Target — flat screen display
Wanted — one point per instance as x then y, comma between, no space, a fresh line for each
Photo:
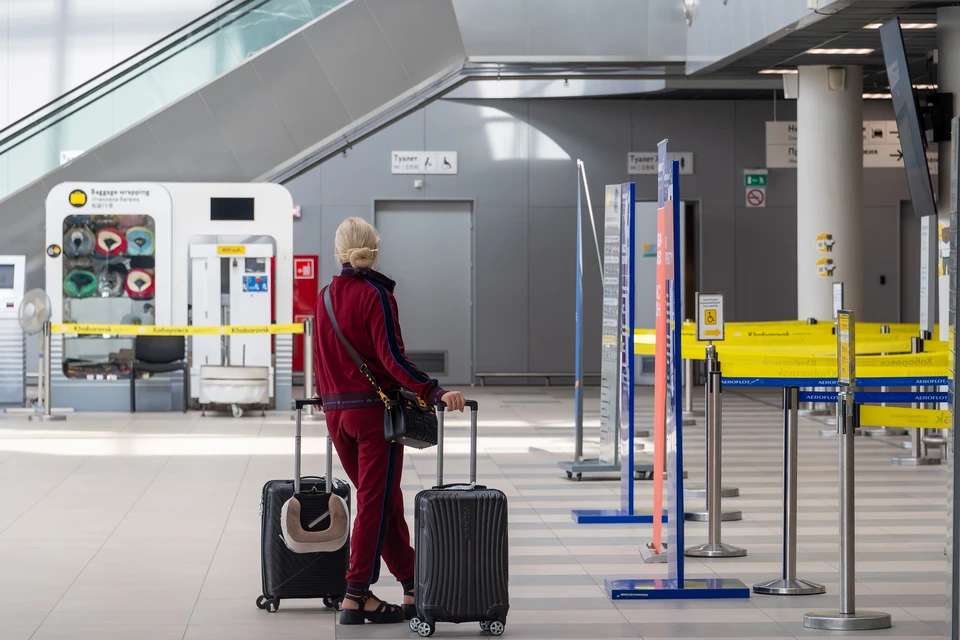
231,208
912,142
6,276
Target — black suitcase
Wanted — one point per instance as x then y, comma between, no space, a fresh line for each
299,575
460,532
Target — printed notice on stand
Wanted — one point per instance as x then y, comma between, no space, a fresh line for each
610,334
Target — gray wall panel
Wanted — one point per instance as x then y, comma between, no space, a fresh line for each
525,223
363,173
492,145
562,131
551,290
296,80
766,259
501,302
881,257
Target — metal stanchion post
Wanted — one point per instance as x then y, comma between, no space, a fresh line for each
714,548
916,457
689,418
46,391
713,367
309,388
847,618
788,584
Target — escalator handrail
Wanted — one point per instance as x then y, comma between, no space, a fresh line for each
123,67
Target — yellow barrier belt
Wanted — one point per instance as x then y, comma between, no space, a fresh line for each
152,330
910,365
873,416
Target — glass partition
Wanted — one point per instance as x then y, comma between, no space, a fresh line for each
144,84
108,278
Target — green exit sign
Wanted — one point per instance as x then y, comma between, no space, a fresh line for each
755,179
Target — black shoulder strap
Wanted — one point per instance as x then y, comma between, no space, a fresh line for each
353,353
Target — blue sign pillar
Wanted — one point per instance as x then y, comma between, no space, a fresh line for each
676,585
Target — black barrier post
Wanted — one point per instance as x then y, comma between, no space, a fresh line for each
788,584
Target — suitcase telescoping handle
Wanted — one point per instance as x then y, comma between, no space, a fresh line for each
328,481
441,410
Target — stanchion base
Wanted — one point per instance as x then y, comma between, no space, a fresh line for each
661,589
715,550
577,469
699,491
784,587
56,417
915,462
836,621
829,433
612,516
650,556
884,432
702,516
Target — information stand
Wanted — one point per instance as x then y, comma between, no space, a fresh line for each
669,411
617,431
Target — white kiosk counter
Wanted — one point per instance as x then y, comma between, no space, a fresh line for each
167,254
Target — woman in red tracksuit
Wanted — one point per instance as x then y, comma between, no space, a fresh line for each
366,311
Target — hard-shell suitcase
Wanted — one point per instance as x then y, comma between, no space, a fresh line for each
460,533
299,575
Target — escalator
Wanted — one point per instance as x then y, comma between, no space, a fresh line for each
234,96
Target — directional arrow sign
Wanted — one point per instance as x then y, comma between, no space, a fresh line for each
712,333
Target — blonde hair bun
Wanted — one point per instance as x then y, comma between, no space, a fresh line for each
356,243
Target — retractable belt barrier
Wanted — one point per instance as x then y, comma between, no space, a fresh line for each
192,330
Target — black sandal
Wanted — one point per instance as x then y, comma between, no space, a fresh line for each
409,610
384,614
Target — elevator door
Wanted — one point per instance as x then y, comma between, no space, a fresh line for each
427,247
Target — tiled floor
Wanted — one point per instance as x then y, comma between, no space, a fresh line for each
115,528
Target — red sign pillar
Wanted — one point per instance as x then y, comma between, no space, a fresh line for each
305,289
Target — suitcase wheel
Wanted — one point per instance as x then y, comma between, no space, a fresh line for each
414,624
495,628
268,604
426,628
332,603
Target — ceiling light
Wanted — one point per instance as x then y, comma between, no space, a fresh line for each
906,25
840,52
925,87
877,96
778,71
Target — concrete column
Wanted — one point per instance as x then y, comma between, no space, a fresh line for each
829,189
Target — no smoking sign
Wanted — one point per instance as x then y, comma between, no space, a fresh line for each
755,186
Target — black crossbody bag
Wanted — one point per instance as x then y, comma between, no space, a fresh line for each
407,419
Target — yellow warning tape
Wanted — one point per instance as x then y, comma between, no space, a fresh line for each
151,330
773,366
873,416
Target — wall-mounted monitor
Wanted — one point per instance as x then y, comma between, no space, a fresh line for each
231,209
912,141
